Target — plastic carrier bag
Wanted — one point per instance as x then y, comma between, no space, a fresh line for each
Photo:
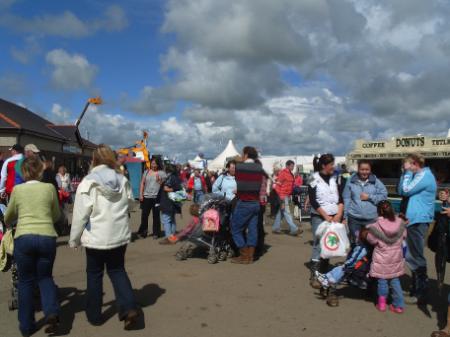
211,221
334,241
178,196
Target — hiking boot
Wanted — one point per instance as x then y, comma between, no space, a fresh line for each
250,255
313,282
242,258
130,319
51,324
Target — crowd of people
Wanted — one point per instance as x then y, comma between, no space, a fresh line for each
382,240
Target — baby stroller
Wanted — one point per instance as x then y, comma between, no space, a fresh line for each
216,242
10,266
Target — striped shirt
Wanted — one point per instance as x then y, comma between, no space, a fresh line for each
249,177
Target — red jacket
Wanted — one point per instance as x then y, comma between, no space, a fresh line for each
285,183
190,184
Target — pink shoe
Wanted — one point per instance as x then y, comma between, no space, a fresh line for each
397,310
381,306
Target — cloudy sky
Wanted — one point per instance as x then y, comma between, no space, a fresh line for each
288,76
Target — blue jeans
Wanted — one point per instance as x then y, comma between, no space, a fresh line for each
316,220
245,217
355,225
415,242
34,256
114,260
285,213
198,197
397,292
336,275
169,223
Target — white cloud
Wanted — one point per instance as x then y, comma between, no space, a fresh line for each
29,50
66,24
60,115
70,71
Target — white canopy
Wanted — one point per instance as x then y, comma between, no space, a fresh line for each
220,161
197,162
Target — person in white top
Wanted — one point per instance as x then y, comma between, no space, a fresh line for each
101,224
325,197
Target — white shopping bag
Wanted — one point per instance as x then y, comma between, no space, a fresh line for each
334,241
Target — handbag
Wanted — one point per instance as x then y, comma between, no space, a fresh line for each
6,251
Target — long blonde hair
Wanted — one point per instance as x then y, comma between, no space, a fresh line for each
104,155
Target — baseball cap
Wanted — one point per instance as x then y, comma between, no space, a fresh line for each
17,147
31,147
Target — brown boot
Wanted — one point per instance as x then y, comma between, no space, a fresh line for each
130,319
250,254
242,258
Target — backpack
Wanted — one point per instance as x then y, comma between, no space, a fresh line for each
211,221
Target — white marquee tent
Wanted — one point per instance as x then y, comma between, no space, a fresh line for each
219,162
198,163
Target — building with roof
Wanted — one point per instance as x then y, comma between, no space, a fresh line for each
62,144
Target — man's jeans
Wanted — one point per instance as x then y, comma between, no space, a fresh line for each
169,223
415,241
34,256
245,216
355,225
316,220
285,213
198,197
397,292
114,260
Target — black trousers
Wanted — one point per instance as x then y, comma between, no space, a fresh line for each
260,248
148,205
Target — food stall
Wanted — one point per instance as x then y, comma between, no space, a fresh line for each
387,155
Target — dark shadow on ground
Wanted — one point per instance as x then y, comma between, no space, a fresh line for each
73,300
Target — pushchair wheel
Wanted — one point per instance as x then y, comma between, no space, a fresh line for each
230,253
180,256
212,259
223,256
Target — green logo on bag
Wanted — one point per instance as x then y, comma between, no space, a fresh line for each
331,241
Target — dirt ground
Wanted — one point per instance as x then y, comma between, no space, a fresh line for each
192,298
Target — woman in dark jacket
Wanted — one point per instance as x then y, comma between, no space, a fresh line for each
169,207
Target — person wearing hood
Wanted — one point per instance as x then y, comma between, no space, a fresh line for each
362,193
101,224
388,264
419,184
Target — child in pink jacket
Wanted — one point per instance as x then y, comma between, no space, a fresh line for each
388,263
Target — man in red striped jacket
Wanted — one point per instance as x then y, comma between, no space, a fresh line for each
249,176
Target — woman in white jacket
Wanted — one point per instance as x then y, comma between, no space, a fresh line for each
101,224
